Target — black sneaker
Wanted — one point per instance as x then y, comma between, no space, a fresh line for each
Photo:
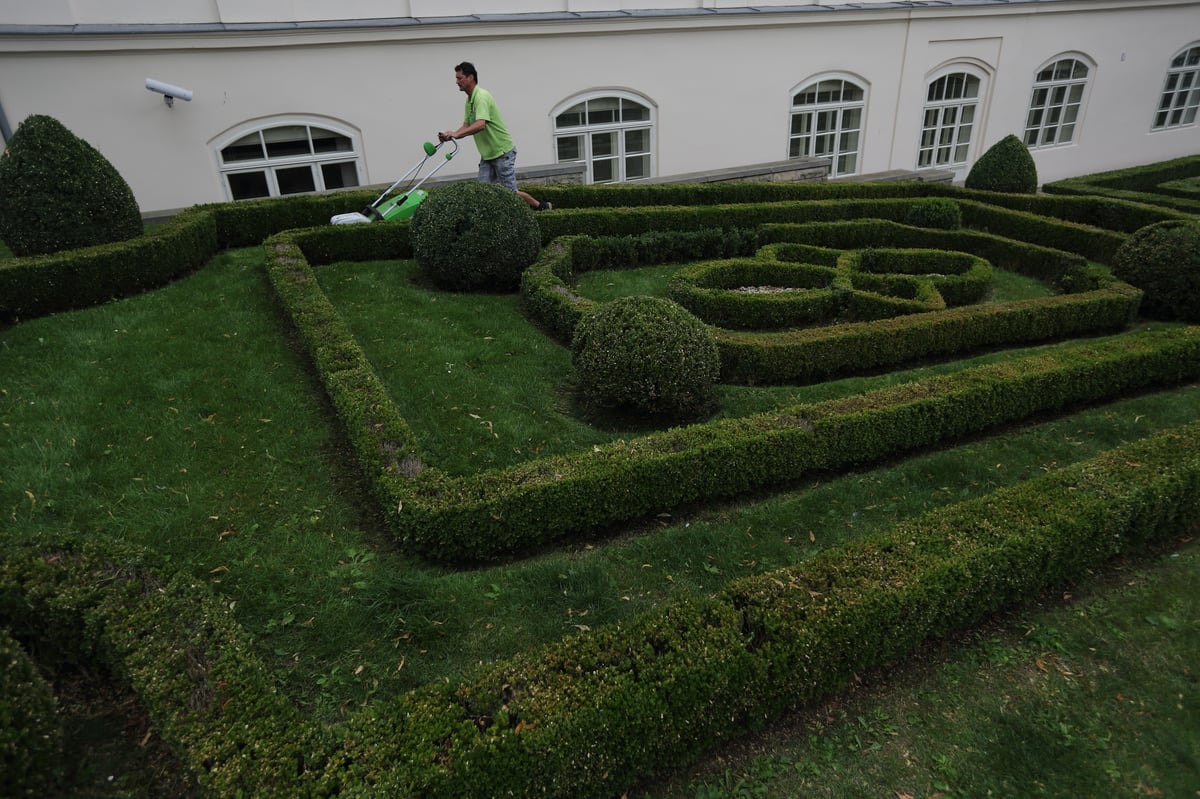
545,206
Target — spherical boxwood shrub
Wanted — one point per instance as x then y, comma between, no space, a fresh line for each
472,236
30,732
1163,260
57,192
1007,166
646,355
941,213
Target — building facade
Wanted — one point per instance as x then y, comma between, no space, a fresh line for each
275,97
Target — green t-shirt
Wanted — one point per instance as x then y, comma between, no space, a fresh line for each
493,141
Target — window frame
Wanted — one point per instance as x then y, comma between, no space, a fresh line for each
1170,96
589,134
940,106
838,132
1061,109
273,167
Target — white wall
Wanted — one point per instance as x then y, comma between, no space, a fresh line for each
721,82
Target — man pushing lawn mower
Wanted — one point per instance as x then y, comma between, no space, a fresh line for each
498,157
481,119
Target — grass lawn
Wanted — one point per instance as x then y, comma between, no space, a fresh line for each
185,420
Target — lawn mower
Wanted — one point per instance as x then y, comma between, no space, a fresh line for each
401,206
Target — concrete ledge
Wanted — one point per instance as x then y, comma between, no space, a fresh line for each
537,175
894,175
552,175
796,170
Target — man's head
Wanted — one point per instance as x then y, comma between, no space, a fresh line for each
466,77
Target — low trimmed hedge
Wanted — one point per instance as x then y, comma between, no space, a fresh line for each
551,300
91,600
589,716
1139,184
495,514
765,294
780,289
959,277
30,732
1038,261
31,287
815,354
46,284
797,294
382,439
935,212
1033,230
1089,210
807,355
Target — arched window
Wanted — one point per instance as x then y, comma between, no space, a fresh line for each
1057,101
948,123
827,121
1181,91
292,157
613,134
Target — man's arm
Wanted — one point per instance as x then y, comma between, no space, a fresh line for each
464,131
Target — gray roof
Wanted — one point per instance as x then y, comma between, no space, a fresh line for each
556,16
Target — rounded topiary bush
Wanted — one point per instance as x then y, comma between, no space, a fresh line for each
473,236
1163,260
646,355
1007,166
30,732
57,192
941,213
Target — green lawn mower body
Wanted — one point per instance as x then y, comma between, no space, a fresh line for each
399,206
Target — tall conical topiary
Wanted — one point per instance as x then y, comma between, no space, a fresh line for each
1007,166
57,192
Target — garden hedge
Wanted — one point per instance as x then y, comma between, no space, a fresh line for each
1140,184
590,715
40,285
809,354
1007,166
31,735
498,514
57,192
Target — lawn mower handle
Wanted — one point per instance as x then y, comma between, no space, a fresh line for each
431,148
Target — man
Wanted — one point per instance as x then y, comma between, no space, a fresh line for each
481,119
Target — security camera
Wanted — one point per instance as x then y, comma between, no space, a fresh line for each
168,91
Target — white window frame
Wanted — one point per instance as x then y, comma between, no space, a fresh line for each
1057,102
813,140
1179,99
587,134
271,166
943,120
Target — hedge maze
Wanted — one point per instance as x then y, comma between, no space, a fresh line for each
842,283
